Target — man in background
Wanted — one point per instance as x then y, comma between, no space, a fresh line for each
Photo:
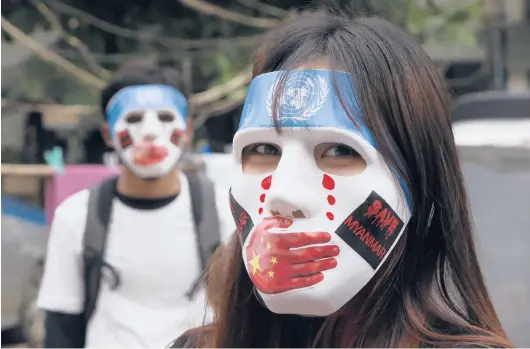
125,258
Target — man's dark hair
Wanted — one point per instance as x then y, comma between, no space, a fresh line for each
138,73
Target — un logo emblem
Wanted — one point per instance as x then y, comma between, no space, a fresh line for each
303,94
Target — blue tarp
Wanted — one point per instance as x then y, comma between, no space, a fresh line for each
21,210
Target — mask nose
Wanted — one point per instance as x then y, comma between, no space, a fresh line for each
289,208
291,193
149,138
151,127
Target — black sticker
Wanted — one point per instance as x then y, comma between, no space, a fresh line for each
371,229
242,219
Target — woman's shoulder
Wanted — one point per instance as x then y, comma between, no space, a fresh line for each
190,338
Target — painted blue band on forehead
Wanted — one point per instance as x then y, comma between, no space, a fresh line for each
143,97
307,99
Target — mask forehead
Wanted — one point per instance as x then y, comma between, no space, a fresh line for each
303,99
147,98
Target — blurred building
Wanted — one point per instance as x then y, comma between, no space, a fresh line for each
501,60
517,24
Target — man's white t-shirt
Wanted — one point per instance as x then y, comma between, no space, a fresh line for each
156,254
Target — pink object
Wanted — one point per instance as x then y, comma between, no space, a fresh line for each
75,178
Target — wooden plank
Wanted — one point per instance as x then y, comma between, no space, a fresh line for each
27,188
21,170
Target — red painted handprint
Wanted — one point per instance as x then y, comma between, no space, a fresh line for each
280,262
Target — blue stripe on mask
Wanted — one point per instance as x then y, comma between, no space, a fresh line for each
143,97
308,99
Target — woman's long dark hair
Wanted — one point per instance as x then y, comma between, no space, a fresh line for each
430,291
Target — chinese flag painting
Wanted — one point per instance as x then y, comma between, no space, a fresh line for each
280,262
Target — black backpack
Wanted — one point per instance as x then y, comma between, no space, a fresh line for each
96,231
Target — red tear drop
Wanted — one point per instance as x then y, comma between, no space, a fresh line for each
260,211
330,216
328,182
266,182
262,198
331,200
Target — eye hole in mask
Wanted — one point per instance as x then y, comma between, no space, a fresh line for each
332,158
339,159
260,158
134,118
164,116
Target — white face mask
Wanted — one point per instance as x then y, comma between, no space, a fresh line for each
352,221
147,123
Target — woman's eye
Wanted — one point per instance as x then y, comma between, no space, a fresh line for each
340,150
264,149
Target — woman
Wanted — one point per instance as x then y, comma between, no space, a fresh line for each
353,223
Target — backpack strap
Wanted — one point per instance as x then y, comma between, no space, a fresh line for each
94,242
196,198
206,219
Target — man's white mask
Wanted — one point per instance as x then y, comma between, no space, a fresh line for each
146,123
311,240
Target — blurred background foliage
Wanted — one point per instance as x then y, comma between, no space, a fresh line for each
100,35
